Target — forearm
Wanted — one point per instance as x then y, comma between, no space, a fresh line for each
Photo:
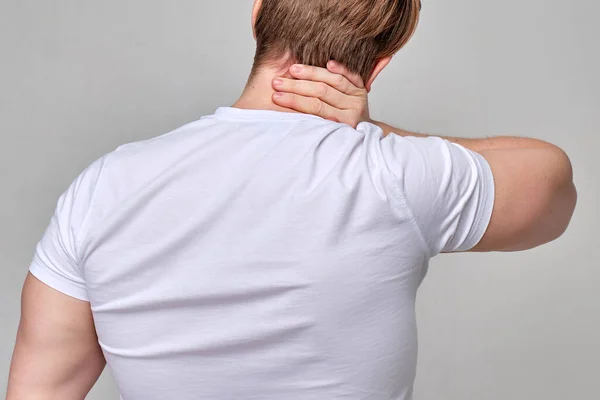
477,145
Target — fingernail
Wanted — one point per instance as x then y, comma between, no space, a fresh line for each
296,69
278,82
278,95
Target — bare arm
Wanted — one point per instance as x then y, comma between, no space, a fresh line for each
535,195
57,355
478,145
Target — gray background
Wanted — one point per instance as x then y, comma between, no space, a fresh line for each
78,78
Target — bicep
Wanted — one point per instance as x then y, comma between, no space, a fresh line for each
57,355
535,198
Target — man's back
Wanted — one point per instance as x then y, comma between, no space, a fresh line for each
253,254
269,254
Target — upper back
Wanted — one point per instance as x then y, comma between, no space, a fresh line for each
258,254
255,248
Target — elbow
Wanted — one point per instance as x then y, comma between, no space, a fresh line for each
565,169
566,202
552,224
566,191
554,217
563,198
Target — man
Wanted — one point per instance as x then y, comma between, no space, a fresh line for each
265,253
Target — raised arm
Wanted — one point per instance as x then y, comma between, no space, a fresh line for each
534,192
57,356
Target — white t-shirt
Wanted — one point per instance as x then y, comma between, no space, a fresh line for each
263,255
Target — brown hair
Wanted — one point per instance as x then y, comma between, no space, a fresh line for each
356,33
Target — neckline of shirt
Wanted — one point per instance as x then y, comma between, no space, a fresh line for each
240,113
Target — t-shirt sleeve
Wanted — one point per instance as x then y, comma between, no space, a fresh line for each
57,258
448,189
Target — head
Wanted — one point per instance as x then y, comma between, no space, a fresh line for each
361,34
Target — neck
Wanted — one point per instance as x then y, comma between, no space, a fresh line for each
258,94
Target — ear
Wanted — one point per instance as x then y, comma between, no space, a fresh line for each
255,11
380,66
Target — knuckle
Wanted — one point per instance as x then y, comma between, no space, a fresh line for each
317,106
323,90
353,120
338,80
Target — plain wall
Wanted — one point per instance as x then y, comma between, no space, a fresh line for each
79,78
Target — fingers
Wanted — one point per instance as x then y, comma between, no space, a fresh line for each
307,105
319,90
335,94
337,68
316,74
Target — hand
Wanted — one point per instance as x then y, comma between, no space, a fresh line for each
333,93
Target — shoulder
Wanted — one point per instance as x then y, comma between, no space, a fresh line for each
116,176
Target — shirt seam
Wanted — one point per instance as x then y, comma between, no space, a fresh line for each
296,119
227,114
487,200
55,280
84,230
406,207
413,220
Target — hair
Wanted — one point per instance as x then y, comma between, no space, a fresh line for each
355,33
